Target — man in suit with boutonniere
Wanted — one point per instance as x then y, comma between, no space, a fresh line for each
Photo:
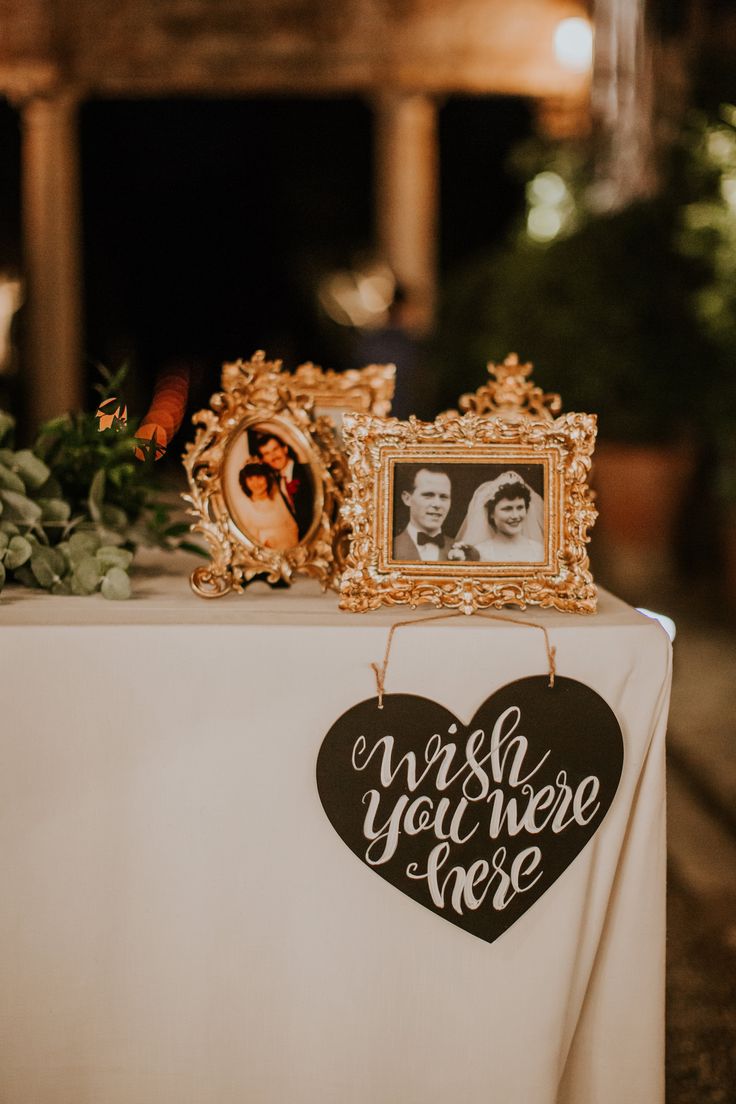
292,478
428,495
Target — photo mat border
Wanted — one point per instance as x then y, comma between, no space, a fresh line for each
430,455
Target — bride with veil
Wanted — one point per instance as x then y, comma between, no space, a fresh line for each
505,521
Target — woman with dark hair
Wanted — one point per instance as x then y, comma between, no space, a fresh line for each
505,521
264,514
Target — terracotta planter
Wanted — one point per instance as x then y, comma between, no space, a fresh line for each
640,491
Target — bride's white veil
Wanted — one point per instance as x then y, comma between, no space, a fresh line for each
477,528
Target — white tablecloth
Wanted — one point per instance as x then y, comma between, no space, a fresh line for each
180,924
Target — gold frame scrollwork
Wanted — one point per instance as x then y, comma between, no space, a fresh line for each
367,390
511,392
509,433
257,392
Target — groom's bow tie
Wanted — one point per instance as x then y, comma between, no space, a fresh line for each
424,538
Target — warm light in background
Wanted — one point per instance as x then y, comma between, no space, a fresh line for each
358,298
728,189
551,208
543,223
574,44
548,188
11,297
165,413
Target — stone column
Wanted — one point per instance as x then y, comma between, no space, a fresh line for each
52,262
406,194
622,101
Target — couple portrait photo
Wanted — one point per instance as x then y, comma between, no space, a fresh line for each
268,487
468,512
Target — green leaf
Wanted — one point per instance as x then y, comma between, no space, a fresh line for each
110,536
47,566
187,546
96,495
177,530
60,423
116,584
72,524
19,552
50,489
63,586
108,556
4,542
51,433
63,547
54,511
8,527
112,381
25,576
56,559
6,457
32,471
121,473
83,543
9,481
19,508
87,575
7,424
113,517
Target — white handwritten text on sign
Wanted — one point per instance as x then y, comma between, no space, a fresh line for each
474,823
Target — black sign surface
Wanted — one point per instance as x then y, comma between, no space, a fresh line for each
474,822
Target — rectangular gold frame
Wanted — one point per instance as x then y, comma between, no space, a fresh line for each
367,390
563,445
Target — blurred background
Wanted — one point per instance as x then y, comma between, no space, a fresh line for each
436,183
431,182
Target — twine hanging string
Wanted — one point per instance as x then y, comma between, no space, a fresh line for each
381,671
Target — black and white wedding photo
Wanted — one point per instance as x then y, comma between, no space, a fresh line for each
461,512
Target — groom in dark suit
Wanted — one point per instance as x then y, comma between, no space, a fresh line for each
292,479
428,498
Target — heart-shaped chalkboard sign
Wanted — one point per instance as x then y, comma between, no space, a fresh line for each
474,822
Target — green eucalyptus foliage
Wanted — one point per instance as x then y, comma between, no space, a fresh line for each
708,234
75,506
604,303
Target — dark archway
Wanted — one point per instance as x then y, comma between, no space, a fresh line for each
208,222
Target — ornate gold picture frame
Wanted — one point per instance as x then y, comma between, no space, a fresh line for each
332,394
265,481
475,510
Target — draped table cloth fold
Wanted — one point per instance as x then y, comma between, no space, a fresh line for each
180,923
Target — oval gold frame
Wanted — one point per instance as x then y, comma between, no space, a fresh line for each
257,392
